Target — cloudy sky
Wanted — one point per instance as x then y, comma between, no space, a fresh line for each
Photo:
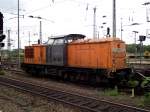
72,16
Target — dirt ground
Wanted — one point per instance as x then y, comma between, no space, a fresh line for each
79,89
15,101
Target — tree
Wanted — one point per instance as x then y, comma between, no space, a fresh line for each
131,48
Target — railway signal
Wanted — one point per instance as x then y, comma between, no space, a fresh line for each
1,23
141,39
2,37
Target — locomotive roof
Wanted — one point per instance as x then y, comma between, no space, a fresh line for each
70,37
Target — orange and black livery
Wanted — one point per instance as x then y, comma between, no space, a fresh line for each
76,58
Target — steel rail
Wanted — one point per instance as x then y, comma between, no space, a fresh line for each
79,101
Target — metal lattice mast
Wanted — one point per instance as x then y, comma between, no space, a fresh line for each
94,23
18,38
114,19
8,44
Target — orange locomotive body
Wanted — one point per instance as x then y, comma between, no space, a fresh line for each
105,54
35,54
74,58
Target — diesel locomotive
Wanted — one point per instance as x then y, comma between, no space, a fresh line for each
75,58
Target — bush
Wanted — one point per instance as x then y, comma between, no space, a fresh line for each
112,92
133,83
147,99
2,72
145,82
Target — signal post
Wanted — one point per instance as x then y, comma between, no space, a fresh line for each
2,36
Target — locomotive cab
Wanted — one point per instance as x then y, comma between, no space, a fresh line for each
57,51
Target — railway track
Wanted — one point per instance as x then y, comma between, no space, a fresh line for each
125,90
146,71
77,101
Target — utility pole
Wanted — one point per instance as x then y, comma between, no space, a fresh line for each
146,4
40,32
29,38
8,44
121,29
141,39
114,19
94,23
135,32
18,37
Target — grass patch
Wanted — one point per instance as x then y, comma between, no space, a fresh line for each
140,102
133,83
111,92
145,81
2,72
147,99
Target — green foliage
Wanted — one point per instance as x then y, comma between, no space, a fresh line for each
145,82
147,99
147,48
112,92
131,48
133,83
2,72
144,101
13,54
